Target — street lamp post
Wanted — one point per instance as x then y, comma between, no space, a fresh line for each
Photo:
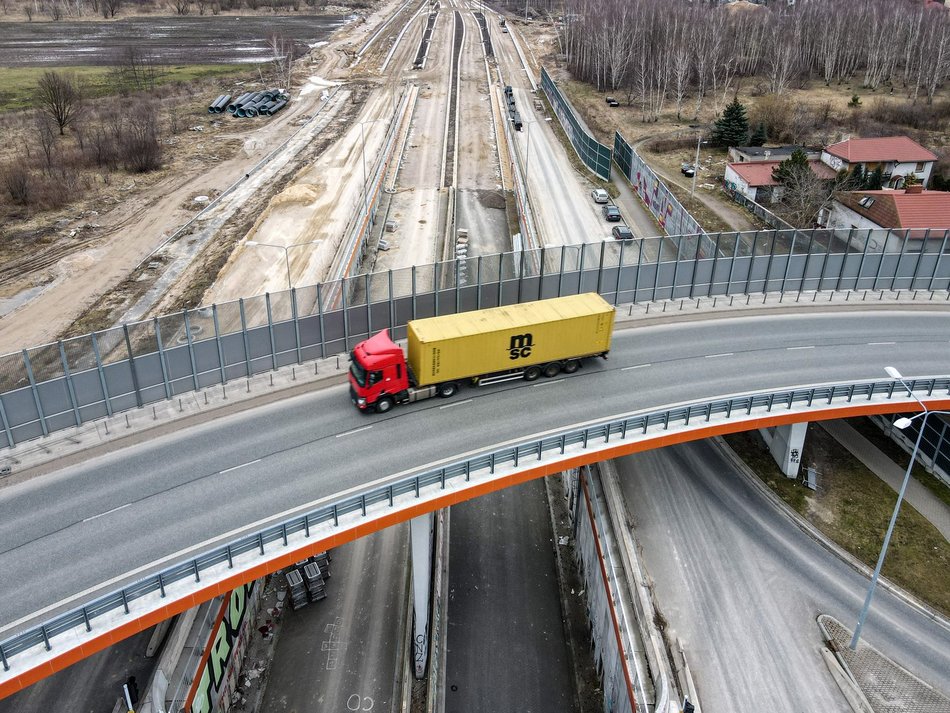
286,249
699,142
900,423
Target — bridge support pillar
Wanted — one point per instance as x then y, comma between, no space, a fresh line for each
786,443
420,537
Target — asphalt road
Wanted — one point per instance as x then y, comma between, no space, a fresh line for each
506,649
94,523
742,585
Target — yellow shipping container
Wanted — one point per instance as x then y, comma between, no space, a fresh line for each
488,341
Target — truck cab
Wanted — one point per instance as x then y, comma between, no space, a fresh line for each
379,375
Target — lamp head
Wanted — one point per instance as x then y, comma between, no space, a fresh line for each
902,423
252,242
892,372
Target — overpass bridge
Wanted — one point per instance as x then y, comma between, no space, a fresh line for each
133,537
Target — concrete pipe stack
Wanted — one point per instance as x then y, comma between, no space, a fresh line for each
220,104
265,103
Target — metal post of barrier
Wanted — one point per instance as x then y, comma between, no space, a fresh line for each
346,316
35,392
825,260
732,265
748,277
478,283
270,331
392,302
900,259
161,359
412,272
692,277
541,276
102,374
600,267
636,279
369,311
712,273
880,264
920,257
811,239
70,389
295,316
323,331
580,269
132,367
768,265
191,352
864,254
623,244
943,247
435,287
217,341
844,260
501,279
676,265
247,346
788,263
560,276
656,277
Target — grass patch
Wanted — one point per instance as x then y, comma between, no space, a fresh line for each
18,84
853,507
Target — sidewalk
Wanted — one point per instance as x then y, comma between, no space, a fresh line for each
923,501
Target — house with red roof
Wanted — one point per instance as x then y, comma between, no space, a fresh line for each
754,179
897,156
913,209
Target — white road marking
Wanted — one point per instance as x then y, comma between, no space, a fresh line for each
716,356
547,383
350,433
880,344
791,349
107,512
250,462
638,366
456,403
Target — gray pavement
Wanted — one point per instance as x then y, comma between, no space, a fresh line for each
918,496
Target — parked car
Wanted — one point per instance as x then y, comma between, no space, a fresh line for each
600,195
622,232
505,30
612,102
688,170
611,213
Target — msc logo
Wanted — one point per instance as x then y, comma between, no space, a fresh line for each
520,346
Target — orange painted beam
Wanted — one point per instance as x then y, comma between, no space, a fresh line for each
101,641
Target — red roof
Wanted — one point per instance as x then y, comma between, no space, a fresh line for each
899,209
759,173
889,148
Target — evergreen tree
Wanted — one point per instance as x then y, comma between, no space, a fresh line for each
759,136
732,128
794,166
858,179
875,180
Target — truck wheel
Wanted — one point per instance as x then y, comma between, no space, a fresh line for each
532,373
571,365
551,369
449,388
384,404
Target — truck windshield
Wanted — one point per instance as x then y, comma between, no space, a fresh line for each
358,372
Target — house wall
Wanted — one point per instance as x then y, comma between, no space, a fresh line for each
895,169
737,183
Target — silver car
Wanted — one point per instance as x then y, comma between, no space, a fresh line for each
599,195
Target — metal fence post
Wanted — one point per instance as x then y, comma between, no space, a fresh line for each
70,389
132,368
412,273
811,239
844,260
788,263
478,283
900,259
864,254
457,286
102,375
247,345
580,269
295,316
161,359
36,394
920,257
732,265
191,352
323,332
768,265
392,302
676,266
369,313
600,268
748,277
346,316
692,277
712,273
560,275
501,280
623,244
943,247
435,287
656,276
541,277
217,341
270,331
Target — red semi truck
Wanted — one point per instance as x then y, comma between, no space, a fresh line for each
486,346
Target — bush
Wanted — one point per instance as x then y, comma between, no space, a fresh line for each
18,182
932,117
674,144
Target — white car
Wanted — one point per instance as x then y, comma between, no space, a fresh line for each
599,195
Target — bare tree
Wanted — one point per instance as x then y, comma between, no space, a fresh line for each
181,7
47,140
18,183
282,57
110,7
60,98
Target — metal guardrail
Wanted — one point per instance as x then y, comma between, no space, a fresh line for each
411,488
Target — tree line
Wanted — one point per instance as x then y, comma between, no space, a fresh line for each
74,9
673,53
